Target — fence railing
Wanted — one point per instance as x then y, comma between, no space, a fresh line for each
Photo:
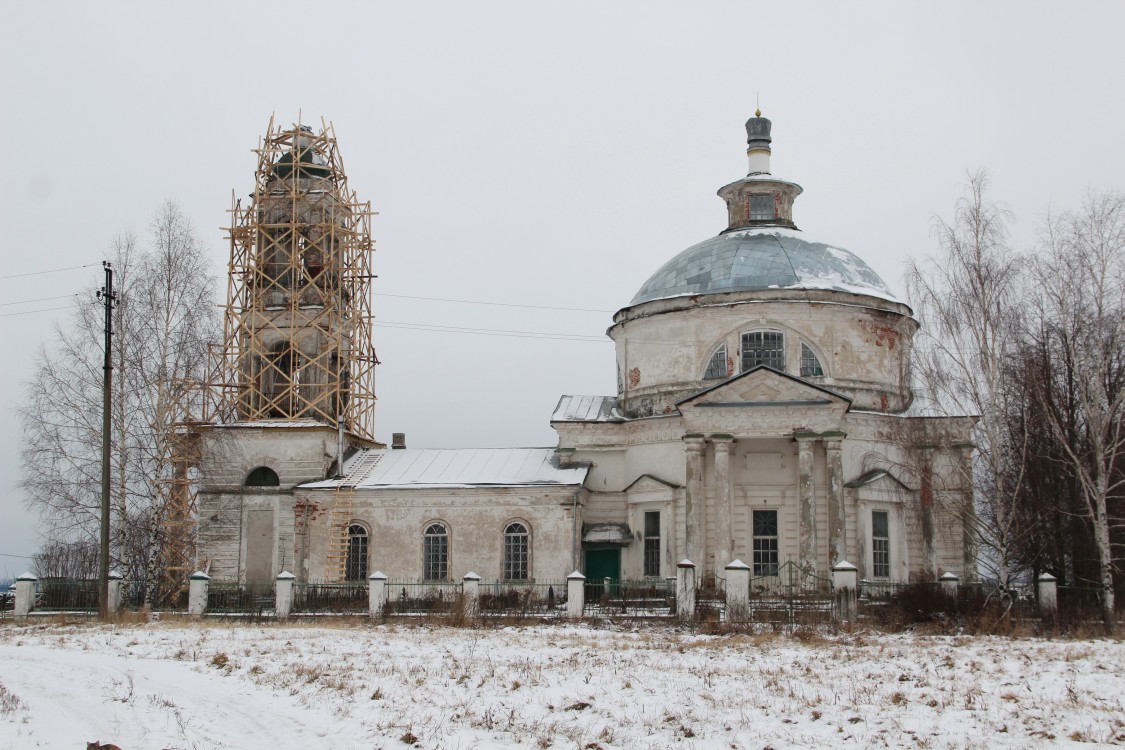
67,595
331,598
522,599
421,597
240,598
647,597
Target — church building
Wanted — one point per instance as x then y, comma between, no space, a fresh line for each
763,413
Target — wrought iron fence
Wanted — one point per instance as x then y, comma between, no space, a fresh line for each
161,596
648,597
790,596
331,598
66,595
421,597
230,598
522,599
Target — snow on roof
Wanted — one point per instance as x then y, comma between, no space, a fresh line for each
421,468
587,409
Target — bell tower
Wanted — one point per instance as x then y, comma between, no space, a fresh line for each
297,328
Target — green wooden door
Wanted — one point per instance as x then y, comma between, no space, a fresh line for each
602,563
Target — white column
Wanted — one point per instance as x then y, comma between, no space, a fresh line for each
845,581
25,594
685,589
724,534
114,600
197,593
1048,597
696,500
283,594
575,595
738,591
837,530
806,492
470,588
376,594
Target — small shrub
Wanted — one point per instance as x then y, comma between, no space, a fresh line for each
408,738
220,660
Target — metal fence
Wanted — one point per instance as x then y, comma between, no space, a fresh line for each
522,599
66,595
331,598
790,596
649,597
240,599
421,597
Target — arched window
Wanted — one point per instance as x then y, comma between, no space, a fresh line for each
763,348
355,569
717,365
435,553
263,476
810,365
517,552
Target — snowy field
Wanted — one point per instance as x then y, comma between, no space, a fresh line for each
167,685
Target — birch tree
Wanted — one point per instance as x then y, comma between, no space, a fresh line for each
967,298
165,317
1081,339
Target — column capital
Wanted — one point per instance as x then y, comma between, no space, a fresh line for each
695,442
806,437
722,441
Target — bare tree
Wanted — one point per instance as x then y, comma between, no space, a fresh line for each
72,560
165,317
1081,335
968,300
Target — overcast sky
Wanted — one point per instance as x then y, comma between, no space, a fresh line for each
530,154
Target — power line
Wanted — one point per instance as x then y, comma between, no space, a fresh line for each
496,304
41,299
23,557
491,331
53,270
45,309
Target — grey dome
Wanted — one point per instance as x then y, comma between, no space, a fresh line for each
762,258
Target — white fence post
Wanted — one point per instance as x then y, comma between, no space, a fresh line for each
283,594
115,581
685,589
470,588
575,595
25,595
197,593
738,591
949,584
376,594
1048,597
845,580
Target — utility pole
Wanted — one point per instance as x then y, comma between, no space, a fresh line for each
108,299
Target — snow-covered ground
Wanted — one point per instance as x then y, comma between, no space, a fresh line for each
212,685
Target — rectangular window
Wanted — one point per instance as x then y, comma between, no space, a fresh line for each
652,543
765,543
763,348
761,207
880,544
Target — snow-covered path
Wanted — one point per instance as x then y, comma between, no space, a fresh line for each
392,686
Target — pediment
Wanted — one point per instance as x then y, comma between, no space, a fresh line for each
649,483
763,386
877,479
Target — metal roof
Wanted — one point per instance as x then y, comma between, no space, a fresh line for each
421,468
587,409
762,258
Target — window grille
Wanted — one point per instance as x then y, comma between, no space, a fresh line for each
517,548
435,553
355,569
652,543
763,348
880,544
761,207
717,365
810,365
765,543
